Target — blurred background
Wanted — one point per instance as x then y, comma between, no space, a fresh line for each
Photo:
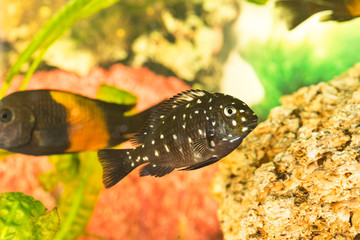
255,50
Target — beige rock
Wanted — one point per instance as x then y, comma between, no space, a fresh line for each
297,175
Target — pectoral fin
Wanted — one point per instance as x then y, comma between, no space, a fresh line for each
52,137
203,148
201,164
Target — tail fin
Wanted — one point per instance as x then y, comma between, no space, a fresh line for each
116,164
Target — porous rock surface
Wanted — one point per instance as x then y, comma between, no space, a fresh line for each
297,175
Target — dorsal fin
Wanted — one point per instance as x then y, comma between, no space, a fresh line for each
164,110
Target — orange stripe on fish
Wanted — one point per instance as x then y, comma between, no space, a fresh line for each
86,125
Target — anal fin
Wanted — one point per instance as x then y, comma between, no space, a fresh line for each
155,170
201,164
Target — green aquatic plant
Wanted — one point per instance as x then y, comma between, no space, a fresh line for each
80,176
259,2
112,94
283,66
3,154
135,33
49,33
23,217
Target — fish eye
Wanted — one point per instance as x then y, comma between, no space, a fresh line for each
229,111
5,115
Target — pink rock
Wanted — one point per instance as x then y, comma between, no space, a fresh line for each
177,206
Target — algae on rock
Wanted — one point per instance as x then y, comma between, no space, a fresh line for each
297,175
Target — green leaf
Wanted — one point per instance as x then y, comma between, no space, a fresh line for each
115,95
3,154
259,2
66,165
49,33
79,197
22,217
67,168
47,225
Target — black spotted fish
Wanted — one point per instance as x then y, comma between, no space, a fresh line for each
45,122
189,131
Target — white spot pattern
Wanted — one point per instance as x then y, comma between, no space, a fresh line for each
234,123
186,97
199,93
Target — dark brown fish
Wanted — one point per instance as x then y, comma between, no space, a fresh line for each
189,131
297,11
45,122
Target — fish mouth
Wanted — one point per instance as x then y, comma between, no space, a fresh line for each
252,123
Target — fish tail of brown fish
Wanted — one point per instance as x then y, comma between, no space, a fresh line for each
297,11
116,164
